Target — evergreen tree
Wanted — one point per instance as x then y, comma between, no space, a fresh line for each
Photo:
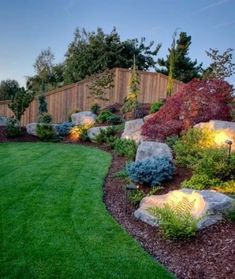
131,101
221,66
94,52
184,69
8,88
20,101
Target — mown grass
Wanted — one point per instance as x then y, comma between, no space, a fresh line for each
53,221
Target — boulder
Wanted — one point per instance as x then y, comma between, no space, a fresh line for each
208,206
3,121
31,128
132,130
223,130
95,131
149,149
83,118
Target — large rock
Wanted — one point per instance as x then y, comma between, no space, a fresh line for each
95,131
31,128
149,149
207,206
83,118
3,121
132,130
223,130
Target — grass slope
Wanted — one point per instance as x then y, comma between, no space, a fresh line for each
53,221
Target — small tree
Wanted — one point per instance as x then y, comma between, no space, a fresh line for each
131,101
42,108
99,83
170,85
221,66
8,88
20,101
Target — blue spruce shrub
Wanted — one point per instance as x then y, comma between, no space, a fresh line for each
63,129
151,172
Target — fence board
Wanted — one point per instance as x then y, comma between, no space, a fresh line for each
62,101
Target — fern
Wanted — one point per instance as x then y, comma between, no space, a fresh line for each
176,220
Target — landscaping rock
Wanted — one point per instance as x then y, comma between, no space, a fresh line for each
208,206
95,131
149,149
223,130
83,118
3,121
132,130
31,128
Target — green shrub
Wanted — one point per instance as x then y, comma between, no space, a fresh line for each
151,172
227,187
13,128
200,182
124,147
136,196
95,108
215,164
106,135
104,116
45,118
114,119
172,140
189,147
156,106
176,221
45,132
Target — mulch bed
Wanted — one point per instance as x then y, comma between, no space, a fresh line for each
23,138
211,254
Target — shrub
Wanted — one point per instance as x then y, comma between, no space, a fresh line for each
104,116
124,147
198,101
13,128
78,133
188,149
200,182
45,132
156,106
45,118
106,135
151,172
95,108
172,140
215,164
176,221
135,197
114,119
63,129
227,187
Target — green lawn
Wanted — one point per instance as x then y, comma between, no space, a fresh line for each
53,221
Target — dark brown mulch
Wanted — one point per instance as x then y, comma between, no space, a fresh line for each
210,255
23,138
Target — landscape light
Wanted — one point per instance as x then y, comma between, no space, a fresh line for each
229,143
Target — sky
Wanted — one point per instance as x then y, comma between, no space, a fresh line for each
29,26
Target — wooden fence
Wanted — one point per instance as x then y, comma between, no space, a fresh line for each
62,101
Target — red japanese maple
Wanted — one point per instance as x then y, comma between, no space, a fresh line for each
198,101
